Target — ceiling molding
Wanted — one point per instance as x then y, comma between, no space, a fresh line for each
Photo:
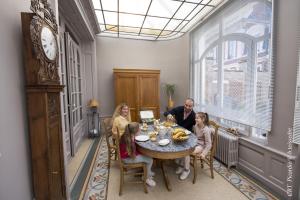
89,9
76,14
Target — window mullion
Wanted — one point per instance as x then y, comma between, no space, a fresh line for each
220,67
253,90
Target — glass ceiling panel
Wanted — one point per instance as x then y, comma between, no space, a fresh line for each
111,5
111,18
129,29
184,9
173,24
155,22
131,20
163,8
151,19
96,4
205,1
194,1
99,15
134,6
194,12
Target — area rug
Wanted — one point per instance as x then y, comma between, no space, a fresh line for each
98,181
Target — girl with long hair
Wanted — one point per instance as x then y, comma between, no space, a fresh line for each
204,144
129,153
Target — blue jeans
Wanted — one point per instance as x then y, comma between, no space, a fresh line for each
139,159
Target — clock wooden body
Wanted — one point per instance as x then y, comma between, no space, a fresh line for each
43,108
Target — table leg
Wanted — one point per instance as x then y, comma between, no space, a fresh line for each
167,182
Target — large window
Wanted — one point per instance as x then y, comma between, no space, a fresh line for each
232,75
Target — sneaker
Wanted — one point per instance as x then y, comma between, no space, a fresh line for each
150,182
184,174
179,170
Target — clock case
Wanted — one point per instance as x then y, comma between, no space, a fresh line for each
44,115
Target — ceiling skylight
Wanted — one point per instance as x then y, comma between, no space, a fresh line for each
150,19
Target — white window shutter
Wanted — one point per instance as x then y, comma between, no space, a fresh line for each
296,129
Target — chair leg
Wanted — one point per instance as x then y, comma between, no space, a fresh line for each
195,170
121,182
211,165
144,179
116,156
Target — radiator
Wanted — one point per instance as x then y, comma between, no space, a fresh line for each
227,149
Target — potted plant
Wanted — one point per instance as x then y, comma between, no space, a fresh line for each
170,89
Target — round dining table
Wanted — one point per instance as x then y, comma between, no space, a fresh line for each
172,150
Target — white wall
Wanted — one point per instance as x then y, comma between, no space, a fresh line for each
171,57
15,170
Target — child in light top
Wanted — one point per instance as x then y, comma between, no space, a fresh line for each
129,153
204,144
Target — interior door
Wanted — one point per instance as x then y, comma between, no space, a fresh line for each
74,97
64,97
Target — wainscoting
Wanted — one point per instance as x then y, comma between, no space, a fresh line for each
265,164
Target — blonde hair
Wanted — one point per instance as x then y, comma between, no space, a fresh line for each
118,111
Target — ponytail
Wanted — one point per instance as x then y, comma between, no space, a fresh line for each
204,117
206,121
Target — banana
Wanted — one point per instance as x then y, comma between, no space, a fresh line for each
183,137
179,134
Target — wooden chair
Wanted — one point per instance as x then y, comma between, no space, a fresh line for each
130,169
209,159
111,144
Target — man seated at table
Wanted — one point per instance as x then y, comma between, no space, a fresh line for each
184,115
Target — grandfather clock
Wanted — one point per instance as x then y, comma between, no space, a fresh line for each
43,101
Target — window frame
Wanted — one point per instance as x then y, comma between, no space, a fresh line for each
195,65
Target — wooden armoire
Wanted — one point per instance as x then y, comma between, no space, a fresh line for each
139,88
43,101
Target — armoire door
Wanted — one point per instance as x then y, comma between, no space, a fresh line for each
149,93
126,88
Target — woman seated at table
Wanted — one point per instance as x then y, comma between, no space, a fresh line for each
129,153
121,118
204,144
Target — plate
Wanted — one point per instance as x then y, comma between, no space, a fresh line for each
141,138
164,142
187,132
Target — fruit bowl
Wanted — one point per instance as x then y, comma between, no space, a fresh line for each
179,135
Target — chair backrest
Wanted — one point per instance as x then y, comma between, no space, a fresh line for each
107,122
118,149
214,137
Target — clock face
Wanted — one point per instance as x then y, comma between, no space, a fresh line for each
49,45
